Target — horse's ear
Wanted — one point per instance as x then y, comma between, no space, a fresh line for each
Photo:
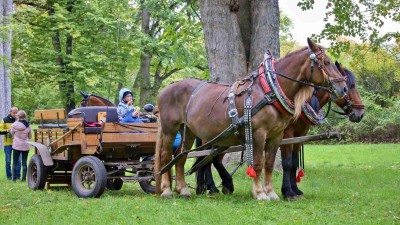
337,64
84,94
312,45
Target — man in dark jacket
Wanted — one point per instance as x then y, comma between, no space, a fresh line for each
5,127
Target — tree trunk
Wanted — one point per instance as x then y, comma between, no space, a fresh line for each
6,8
224,41
142,81
66,86
237,33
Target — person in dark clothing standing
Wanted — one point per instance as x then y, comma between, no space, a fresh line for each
5,126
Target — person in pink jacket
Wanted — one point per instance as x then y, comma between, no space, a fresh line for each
22,132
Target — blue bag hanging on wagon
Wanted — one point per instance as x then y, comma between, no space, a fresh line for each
128,118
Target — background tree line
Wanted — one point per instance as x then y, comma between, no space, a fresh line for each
62,47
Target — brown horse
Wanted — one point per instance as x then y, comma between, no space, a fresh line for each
94,100
352,106
199,108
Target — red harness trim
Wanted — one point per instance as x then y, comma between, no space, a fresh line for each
267,89
305,119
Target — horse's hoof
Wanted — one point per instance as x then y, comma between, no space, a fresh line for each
291,198
262,197
185,193
200,190
213,190
226,190
297,191
166,194
273,196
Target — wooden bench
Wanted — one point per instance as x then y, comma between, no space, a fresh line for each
56,115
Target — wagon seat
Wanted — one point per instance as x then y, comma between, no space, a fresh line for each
90,117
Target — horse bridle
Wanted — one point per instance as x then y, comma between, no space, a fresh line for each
348,107
315,57
84,102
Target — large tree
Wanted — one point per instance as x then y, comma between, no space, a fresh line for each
237,33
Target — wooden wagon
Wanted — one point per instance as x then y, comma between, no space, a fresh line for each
89,154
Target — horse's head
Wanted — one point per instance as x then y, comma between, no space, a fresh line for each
352,104
94,100
326,73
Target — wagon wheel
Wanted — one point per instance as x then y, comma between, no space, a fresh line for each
37,173
89,177
115,184
148,185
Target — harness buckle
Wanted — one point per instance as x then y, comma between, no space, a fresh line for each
233,113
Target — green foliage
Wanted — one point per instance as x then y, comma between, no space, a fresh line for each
107,43
362,19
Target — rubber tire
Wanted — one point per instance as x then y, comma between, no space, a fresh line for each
37,173
93,166
146,184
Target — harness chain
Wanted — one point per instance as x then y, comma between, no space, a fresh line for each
248,129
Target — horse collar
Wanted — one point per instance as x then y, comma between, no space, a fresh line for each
309,116
271,84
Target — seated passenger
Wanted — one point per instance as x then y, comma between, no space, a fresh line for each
148,114
126,111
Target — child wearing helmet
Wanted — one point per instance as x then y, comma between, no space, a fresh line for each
126,111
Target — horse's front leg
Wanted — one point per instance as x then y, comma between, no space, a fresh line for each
258,145
287,163
271,148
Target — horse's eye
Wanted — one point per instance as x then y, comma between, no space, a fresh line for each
327,62
352,86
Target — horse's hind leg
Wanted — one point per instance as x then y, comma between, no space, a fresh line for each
200,177
181,186
166,157
227,183
210,180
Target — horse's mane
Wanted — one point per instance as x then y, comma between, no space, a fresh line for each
351,78
304,93
290,54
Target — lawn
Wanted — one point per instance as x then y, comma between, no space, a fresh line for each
343,184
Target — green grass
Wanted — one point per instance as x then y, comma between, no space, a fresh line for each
343,184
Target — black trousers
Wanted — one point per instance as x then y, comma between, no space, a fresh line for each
16,154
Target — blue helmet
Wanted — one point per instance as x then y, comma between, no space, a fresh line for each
148,108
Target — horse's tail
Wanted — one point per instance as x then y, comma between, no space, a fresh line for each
157,159
300,98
